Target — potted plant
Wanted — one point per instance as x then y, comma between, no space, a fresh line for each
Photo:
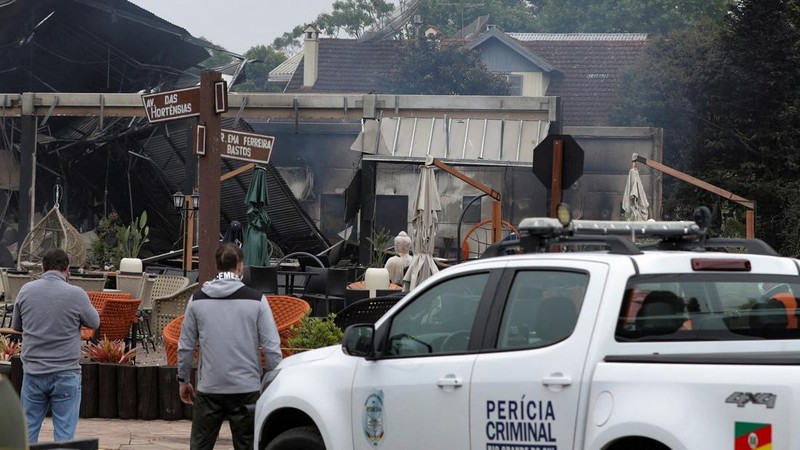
115,241
314,332
116,378
8,349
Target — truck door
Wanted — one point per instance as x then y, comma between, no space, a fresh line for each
417,394
527,383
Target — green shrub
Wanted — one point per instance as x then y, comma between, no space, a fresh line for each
315,332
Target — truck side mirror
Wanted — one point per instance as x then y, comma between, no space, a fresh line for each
359,340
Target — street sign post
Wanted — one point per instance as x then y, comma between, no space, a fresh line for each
244,146
172,105
557,163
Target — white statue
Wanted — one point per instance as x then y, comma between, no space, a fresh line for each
396,264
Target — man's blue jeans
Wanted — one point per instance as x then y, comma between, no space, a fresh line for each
61,391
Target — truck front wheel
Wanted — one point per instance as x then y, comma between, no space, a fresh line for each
301,438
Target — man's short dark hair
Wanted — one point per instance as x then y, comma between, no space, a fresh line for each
228,257
55,259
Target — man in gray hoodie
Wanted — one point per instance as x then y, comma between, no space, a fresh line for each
229,321
50,312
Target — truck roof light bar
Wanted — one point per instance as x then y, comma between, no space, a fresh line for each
642,229
549,227
540,234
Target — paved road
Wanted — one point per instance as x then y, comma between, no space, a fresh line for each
138,434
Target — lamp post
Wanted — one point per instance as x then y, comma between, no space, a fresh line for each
187,205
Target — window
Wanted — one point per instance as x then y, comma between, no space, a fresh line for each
542,308
515,84
440,320
703,307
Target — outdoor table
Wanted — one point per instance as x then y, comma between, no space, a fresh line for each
289,279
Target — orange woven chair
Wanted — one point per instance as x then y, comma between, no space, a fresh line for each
171,335
287,312
98,300
117,318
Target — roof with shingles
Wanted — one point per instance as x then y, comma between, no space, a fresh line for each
591,71
350,66
589,66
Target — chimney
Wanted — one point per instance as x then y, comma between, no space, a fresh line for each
310,55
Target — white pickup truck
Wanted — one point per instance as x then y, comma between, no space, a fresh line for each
669,345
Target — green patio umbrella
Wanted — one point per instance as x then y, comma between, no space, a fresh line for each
256,245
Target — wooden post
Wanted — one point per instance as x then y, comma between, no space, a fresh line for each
170,406
89,390
750,223
209,174
555,182
127,391
107,407
497,225
147,392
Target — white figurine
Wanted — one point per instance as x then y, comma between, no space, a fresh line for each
396,264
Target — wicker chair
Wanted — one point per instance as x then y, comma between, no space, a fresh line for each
132,284
287,312
99,300
166,309
145,331
87,283
166,285
12,283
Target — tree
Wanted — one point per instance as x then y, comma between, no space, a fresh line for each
353,16
429,67
264,59
728,98
624,16
450,16
289,42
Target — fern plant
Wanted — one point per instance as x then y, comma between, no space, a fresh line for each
378,240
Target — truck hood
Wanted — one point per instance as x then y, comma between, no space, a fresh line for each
310,355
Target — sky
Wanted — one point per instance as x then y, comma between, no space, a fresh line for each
237,25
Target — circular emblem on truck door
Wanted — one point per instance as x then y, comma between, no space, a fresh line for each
373,419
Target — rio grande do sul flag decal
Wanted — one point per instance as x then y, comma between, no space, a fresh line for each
753,436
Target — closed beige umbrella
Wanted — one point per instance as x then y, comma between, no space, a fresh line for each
634,198
426,219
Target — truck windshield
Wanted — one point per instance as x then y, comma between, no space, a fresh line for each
706,306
